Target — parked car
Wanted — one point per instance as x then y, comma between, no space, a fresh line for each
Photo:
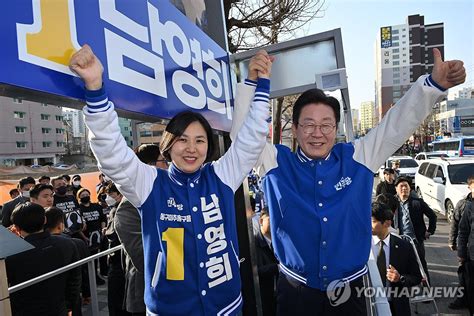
35,166
408,166
61,166
442,183
420,157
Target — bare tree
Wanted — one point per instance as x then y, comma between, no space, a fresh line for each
256,23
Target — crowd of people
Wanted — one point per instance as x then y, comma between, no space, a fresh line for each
178,227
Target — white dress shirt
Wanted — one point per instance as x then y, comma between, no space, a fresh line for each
386,248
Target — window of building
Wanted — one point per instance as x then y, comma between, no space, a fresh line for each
59,144
395,44
59,118
46,144
157,133
45,130
395,38
404,61
396,68
394,31
395,50
45,117
396,63
403,30
145,134
396,81
126,138
404,48
44,104
396,56
20,129
404,35
59,131
19,115
17,101
396,75
125,128
395,100
396,94
21,144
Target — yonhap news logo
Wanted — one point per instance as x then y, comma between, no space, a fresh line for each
339,292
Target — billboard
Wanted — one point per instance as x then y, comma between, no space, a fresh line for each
386,36
156,61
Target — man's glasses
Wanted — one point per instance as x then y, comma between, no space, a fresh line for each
324,128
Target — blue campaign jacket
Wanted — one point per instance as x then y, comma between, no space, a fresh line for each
320,213
188,220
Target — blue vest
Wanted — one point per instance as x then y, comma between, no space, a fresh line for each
319,212
190,245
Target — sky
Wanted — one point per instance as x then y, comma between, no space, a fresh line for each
360,21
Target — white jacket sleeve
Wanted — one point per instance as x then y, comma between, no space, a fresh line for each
243,99
398,124
133,178
249,141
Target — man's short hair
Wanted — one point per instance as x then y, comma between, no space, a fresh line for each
388,171
54,216
111,188
14,191
57,179
148,153
66,177
37,189
389,200
44,177
402,179
76,176
314,96
264,212
28,217
381,212
25,181
470,180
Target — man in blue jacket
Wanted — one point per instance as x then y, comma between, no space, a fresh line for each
319,196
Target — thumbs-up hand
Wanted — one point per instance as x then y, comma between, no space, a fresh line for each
392,274
449,73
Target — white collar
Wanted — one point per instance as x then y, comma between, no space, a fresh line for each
376,240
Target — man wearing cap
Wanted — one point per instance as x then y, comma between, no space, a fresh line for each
410,217
76,184
44,179
24,187
387,186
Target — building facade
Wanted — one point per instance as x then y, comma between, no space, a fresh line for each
403,53
31,132
366,116
126,130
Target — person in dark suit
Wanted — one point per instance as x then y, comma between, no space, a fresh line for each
396,260
267,264
128,227
24,186
53,296
387,186
55,226
410,218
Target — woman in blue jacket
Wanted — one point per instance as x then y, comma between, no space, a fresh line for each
188,220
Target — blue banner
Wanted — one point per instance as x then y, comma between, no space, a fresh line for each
156,61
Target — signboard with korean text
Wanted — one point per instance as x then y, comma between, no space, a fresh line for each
386,36
156,61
